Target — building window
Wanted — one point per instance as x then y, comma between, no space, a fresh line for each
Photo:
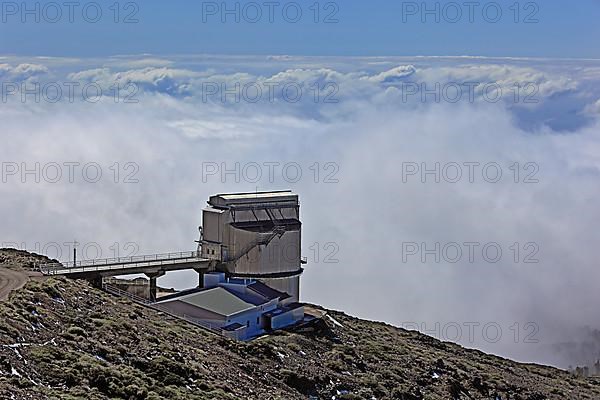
248,324
257,320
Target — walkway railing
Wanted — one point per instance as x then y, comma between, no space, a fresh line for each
119,263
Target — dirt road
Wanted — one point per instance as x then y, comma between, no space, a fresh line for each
16,270
12,280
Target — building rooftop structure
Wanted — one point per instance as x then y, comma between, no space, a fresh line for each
267,291
217,300
231,200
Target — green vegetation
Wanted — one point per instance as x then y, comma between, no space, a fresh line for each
62,339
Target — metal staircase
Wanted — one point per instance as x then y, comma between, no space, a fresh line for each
278,231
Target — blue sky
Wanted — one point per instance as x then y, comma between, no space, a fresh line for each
548,28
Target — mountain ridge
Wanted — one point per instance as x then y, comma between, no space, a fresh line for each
64,339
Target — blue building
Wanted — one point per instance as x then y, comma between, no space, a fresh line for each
238,308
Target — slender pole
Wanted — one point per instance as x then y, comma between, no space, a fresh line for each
75,253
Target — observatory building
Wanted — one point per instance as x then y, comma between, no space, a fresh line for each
248,259
255,236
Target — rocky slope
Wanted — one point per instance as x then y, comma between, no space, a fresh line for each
62,339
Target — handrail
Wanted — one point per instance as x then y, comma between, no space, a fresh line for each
116,281
260,241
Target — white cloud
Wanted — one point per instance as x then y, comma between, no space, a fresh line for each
369,212
397,74
22,72
593,108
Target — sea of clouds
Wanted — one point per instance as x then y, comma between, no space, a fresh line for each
164,138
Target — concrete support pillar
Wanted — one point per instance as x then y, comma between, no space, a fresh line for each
152,290
96,281
201,272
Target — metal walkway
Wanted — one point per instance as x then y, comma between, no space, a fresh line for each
127,265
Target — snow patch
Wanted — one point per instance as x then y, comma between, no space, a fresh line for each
336,323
